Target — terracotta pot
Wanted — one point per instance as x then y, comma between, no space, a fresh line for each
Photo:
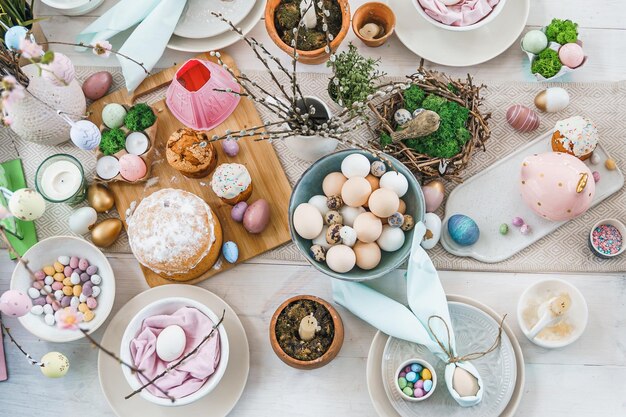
332,351
316,56
378,13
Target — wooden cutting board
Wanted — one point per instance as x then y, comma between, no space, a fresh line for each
268,178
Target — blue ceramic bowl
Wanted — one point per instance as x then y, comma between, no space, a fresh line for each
310,184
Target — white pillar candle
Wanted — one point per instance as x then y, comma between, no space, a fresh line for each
308,327
137,143
107,167
61,180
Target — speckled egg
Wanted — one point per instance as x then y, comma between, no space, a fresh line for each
408,223
319,201
332,234
350,213
230,147
55,364
318,253
15,303
395,181
402,116
238,210
333,183
321,239
355,165
307,221
378,168
230,252
27,204
334,202
340,258
367,255
347,235
333,217
113,115
395,220
416,112
368,227
463,230
132,167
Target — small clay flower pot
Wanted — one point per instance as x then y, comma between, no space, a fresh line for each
333,349
316,56
379,14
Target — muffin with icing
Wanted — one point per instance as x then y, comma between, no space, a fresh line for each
577,136
191,153
175,234
232,183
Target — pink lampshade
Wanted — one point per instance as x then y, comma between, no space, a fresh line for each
192,99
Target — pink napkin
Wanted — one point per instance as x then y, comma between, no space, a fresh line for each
3,364
193,372
464,13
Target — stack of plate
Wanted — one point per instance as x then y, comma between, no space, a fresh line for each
199,31
476,326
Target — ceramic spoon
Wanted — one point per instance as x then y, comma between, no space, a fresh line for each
550,313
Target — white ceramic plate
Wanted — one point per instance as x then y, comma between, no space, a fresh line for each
222,40
218,402
73,7
459,49
45,253
475,198
198,22
474,331
374,377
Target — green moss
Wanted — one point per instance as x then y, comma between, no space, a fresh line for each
562,31
385,139
413,97
139,117
547,63
113,141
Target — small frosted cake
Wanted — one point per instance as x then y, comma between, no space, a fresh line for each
232,183
175,234
577,136
191,153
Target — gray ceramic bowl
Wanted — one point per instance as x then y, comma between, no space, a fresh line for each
310,184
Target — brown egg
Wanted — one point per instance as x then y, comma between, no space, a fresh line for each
333,183
402,207
356,191
367,255
106,232
100,197
368,227
374,183
384,202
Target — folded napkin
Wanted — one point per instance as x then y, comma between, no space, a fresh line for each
426,299
157,20
464,13
189,376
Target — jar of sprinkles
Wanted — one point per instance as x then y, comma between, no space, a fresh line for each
606,238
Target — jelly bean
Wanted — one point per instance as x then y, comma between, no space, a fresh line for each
402,382
92,269
33,293
59,276
408,391
403,374
74,302
419,393
56,306
410,385
84,277
88,289
38,285
407,369
49,270
517,221
58,295
92,303
68,271
36,310
65,301
426,374
77,290
64,260
74,262
88,315
411,376
40,275
75,279
82,307
48,280
82,298
96,291
57,285
49,319
43,290
420,383
49,299
428,385
68,282
83,264
39,301
58,266
67,290
416,367
47,309
96,279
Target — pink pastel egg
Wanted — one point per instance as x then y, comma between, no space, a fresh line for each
522,118
571,55
15,303
132,167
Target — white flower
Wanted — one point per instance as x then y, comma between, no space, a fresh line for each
102,48
30,49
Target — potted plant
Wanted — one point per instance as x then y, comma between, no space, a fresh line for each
325,27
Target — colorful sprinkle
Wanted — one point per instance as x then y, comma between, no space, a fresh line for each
607,239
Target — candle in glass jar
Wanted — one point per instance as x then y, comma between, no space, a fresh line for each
308,327
61,180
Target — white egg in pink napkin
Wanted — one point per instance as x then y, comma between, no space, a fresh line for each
460,13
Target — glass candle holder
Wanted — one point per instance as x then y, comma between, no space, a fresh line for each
61,179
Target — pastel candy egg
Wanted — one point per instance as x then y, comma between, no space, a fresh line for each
68,271
355,165
91,269
96,279
418,393
402,382
433,231
408,391
96,291
463,230
83,264
37,310
55,365
535,41
230,147
238,210
552,100
434,193
426,374
132,167
571,55
32,292
113,115
97,85
428,385
522,118
15,303
230,251
378,168
63,260
47,309
49,319
419,384
396,182
92,302
27,204
411,376
65,301
74,262
40,275
85,135
416,367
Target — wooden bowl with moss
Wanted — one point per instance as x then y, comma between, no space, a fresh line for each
282,16
306,332
126,130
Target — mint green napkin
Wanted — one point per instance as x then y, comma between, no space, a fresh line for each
426,298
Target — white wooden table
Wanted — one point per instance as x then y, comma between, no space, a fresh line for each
587,378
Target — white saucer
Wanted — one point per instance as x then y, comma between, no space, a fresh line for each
198,22
222,40
217,403
374,377
459,49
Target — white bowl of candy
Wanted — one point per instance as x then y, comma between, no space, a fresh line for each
69,273
169,346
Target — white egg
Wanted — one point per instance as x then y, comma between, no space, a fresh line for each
319,201
27,204
82,219
349,214
433,231
340,258
355,165
391,239
171,343
307,220
552,100
395,181
321,239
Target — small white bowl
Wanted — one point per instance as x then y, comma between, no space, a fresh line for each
170,306
491,16
73,7
45,253
425,365
577,314
619,226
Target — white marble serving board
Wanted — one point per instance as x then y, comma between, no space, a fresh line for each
493,197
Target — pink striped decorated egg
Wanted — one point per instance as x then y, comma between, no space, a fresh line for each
522,118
